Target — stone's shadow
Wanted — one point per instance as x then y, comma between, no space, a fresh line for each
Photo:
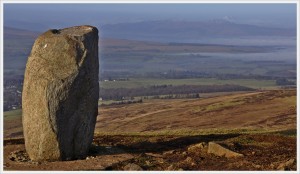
146,151
97,150
143,146
9,141
178,143
160,146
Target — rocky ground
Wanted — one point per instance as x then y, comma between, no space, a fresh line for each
262,151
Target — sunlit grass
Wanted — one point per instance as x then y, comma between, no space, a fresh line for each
10,115
143,82
187,132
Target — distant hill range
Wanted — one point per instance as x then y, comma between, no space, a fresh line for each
176,30
15,33
171,30
140,56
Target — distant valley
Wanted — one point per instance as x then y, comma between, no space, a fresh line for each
138,54
151,67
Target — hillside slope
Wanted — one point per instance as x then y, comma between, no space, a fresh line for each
257,110
267,110
176,135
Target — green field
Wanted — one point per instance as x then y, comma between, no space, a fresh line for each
143,82
10,115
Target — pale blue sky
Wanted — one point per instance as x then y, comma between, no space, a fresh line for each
278,15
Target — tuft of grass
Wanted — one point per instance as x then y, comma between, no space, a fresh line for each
219,106
245,140
222,105
289,132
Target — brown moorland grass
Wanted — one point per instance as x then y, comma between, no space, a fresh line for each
262,110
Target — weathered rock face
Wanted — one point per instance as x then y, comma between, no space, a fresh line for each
60,94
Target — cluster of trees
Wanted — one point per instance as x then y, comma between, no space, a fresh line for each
120,93
123,102
12,93
16,81
172,74
284,82
174,96
113,75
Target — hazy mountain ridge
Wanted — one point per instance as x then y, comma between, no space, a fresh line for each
175,29
190,30
143,56
16,33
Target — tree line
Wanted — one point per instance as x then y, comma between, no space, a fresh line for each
175,74
120,93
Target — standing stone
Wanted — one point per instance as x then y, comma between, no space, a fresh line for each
60,94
